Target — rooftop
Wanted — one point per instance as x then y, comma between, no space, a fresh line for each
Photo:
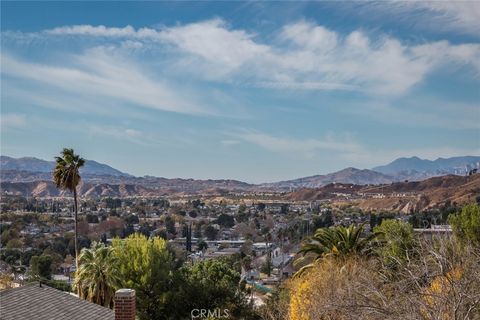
40,302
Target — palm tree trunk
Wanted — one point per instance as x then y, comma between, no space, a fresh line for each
75,206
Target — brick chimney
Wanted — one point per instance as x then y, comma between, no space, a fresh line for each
125,304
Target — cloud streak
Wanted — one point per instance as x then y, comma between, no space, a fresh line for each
102,74
302,55
297,147
12,121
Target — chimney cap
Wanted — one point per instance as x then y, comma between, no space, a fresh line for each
125,293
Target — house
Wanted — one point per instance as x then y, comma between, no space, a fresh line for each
41,302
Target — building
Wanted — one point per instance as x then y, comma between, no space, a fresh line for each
41,302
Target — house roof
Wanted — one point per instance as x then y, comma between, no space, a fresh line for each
40,302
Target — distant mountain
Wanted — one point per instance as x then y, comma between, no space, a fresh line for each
422,168
30,164
30,176
348,175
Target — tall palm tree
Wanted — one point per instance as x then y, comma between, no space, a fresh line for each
98,277
337,242
66,176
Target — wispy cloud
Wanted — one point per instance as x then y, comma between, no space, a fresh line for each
102,74
426,112
443,15
12,120
298,147
227,142
302,55
343,148
121,133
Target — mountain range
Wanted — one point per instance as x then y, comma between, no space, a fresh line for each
32,176
454,165
31,164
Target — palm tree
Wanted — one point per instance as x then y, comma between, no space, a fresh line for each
66,176
97,277
337,242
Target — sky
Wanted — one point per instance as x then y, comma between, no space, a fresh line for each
255,91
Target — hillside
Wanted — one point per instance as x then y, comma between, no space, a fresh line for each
48,189
348,176
399,196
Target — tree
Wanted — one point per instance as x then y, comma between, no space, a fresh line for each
198,230
466,224
323,221
337,242
147,266
225,220
242,208
66,176
211,232
261,206
98,276
211,284
202,245
41,267
397,240
170,225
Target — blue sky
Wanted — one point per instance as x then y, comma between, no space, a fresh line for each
256,91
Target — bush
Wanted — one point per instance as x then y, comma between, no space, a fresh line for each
466,224
396,241
439,281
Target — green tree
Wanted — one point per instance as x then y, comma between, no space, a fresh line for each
242,208
397,241
147,266
337,242
211,232
41,267
170,225
97,277
211,284
225,220
466,224
202,245
66,175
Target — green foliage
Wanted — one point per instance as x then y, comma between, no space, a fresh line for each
9,234
170,225
323,221
211,232
202,245
338,241
397,241
41,267
10,256
211,284
92,218
242,208
146,265
66,173
97,277
466,224
131,219
261,206
225,220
